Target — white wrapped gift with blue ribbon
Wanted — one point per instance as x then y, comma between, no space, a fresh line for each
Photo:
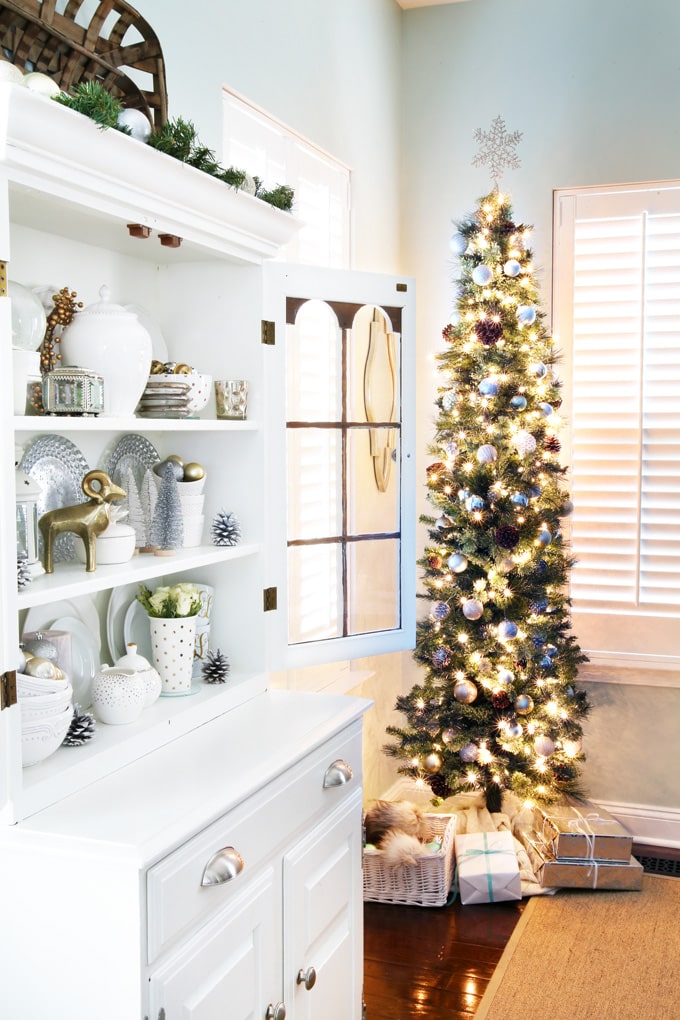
487,869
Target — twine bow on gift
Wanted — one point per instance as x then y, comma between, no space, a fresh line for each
582,825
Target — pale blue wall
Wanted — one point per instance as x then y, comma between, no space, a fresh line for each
328,68
594,88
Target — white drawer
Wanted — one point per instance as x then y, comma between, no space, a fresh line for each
177,902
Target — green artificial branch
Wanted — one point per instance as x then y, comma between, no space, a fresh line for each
92,100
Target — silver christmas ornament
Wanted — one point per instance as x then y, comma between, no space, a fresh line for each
448,735
523,704
137,123
472,609
465,692
468,753
514,729
482,275
524,443
457,563
544,746
487,454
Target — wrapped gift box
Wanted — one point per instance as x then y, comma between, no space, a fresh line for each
584,831
575,874
487,867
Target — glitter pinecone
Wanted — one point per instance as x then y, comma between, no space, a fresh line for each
23,572
81,729
215,669
225,529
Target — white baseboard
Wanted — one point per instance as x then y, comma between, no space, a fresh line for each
653,826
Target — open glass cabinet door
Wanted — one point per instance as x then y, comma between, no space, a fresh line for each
340,373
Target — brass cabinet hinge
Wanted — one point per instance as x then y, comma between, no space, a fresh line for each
269,600
3,279
268,332
402,287
8,689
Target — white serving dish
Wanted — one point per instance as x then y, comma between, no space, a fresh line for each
44,706
42,738
35,686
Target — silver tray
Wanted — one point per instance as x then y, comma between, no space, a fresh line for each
58,466
131,453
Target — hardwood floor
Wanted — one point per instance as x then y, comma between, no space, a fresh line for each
425,963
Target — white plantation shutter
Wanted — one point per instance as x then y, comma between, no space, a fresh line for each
617,318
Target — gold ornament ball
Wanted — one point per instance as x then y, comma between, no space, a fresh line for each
42,668
465,692
432,763
193,472
524,704
448,735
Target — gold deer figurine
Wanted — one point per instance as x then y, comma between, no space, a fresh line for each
86,520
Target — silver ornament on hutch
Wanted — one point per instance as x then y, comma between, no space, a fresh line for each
543,745
468,753
465,692
432,762
524,704
472,609
137,124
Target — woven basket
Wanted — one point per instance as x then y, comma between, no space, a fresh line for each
423,884
108,41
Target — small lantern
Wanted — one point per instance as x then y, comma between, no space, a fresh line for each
73,391
28,493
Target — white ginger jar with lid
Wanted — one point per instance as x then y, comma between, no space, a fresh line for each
138,664
118,695
111,341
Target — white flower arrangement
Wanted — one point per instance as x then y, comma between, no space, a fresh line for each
172,602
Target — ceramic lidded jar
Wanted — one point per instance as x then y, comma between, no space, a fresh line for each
110,340
138,664
118,695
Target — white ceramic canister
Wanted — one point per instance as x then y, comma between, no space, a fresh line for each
118,695
138,664
111,341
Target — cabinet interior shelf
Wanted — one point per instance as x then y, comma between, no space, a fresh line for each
70,580
55,423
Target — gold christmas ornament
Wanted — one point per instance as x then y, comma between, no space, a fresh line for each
193,472
432,763
42,668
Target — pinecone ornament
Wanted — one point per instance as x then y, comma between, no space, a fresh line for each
81,729
215,669
23,572
225,529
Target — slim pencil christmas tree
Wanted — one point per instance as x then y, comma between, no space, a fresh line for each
498,708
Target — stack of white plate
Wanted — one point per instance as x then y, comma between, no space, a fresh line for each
46,714
192,498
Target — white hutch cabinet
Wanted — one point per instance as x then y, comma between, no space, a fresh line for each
205,861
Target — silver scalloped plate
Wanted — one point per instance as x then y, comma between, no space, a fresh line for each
58,466
132,452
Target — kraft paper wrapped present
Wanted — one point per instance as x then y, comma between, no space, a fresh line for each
487,867
573,874
583,831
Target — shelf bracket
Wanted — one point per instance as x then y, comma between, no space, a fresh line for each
8,689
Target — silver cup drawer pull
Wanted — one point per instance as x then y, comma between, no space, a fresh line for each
337,774
222,867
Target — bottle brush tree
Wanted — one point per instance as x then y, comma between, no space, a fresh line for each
498,707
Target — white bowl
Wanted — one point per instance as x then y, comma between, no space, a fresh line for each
43,706
199,394
34,686
193,531
42,738
191,488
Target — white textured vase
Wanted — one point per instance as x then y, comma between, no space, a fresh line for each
142,667
111,341
172,648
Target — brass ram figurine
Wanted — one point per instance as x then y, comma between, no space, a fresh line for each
86,520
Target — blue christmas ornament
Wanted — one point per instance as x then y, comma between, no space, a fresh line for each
567,508
546,410
488,387
505,676
449,400
458,243
519,402
482,275
519,499
440,610
534,491
514,729
541,567
545,538
538,640
526,315
539,605
539,370
512,268
487,454
507,629
546,662
474,503
550,651
457,563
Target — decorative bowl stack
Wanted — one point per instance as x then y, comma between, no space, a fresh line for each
192,498
46,713
171,395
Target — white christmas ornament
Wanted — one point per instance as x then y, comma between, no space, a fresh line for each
524,443
457,244
472,609
482,275
457,563
11,73
526,315
41,83
487,454
469,753
544,746
512,268
137,123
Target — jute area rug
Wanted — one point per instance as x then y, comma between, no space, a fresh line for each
592,956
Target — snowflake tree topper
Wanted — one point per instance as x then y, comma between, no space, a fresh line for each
497,149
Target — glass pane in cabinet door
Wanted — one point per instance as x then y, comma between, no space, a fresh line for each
373,585
373,362
314,365
373,481
315,495
315,602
